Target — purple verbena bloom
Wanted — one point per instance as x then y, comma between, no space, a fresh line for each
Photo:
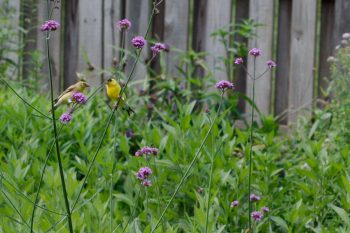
138,42
223,84
257,215
147,151
271,64
146,183
65,118
157,48
129,133
50,25
143,173
79,98
254,197
239,61
234,203
123,24
255,52
265,209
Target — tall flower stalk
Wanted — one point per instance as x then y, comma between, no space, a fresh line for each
255,53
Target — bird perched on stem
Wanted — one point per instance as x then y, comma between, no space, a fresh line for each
66,96
113,92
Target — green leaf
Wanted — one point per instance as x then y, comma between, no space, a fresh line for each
280,222
342,214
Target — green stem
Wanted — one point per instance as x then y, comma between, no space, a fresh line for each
112,172
132,212
41,180
250,152
189,167
65,195
146,190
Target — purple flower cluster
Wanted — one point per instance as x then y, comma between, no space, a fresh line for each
271,64
138,42
254,197
123,24
265,209
235,203
65,118
147,151
79,98
223,84
238,61
50,25
143,174
257,215
157,48
255,52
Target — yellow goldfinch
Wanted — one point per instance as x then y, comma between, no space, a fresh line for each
66,96
113,92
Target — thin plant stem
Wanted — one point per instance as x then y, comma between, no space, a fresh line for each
112,172
251,151
24,101
132,212
185,175
146,190
65,195
41,180
27,198
112,113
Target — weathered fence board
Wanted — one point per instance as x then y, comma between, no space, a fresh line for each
137,11
262,11
283,59
217,16
112,13
175,31
90,41
342,19
302,58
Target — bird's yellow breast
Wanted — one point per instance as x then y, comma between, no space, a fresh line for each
113,91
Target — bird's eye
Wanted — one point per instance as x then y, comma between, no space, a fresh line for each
109,80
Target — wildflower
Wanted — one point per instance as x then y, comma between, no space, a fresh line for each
223,84
157,48
65,118
254,197
239,61
346,36
257,215
50,25
331,59
123,24
79,98
200,190
344,42
255,52
129,133
147,151
234,203
265,209
271,64
146,183
143,173
138,42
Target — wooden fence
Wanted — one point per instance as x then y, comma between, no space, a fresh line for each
298,34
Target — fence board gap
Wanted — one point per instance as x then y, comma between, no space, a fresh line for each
283,60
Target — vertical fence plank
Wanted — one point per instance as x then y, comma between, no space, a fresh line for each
71,40
55,40
175,31
302,58
326,43
342,19
218,15
283,59
157,33
242,13
262,11
90,39
112,13
137,11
